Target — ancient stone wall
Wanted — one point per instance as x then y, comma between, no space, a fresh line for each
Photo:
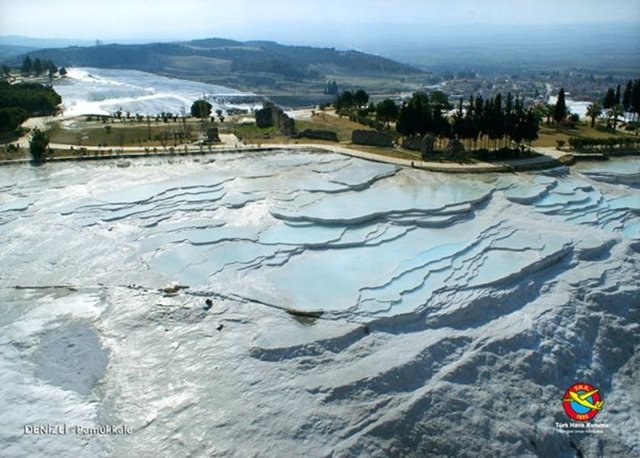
319,135
412,143
371,138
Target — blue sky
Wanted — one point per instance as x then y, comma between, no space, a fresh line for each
285,19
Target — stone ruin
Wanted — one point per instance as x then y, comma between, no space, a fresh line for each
213,135
316,134
424,144
372,138
273,116
454,148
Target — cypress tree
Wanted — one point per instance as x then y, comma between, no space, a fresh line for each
496,118
609,99
37,67
626,97
458,122
532,127
560,110
617,96
509,118
635,97
26,65
519,131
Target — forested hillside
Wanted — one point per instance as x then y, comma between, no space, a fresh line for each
218,56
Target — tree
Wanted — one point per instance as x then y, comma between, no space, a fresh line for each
38,145
11,118
33,98
360,98
27,66
609,99
616,98
332,88
471,127
530,127
6,70
201,109
635,97
415,116
344,101
37,67
594,111
626,97
496,118
387,111
441,100
51,68
615,112
63,72
560,110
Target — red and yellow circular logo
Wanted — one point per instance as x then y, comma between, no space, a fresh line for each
582,402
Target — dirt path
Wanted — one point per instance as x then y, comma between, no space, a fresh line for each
549,157
41,123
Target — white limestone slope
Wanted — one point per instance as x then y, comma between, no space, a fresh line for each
358,309
99,91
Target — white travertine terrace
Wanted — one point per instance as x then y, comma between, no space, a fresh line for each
432,314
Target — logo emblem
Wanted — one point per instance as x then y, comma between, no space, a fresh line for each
582,402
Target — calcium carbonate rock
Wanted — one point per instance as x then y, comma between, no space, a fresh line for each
357,308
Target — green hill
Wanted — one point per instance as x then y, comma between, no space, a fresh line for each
261,66
217,56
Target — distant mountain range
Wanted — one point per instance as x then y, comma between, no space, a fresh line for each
215,56
16,45
40,43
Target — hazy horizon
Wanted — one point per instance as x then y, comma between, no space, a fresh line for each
332,22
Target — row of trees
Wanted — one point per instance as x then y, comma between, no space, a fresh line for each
492,119
331,88
629,101
37,67
595,110
484,120
615,105
424,113
347,101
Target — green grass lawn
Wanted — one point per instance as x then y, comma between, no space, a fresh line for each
343,127
548,136
92,133
250,133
